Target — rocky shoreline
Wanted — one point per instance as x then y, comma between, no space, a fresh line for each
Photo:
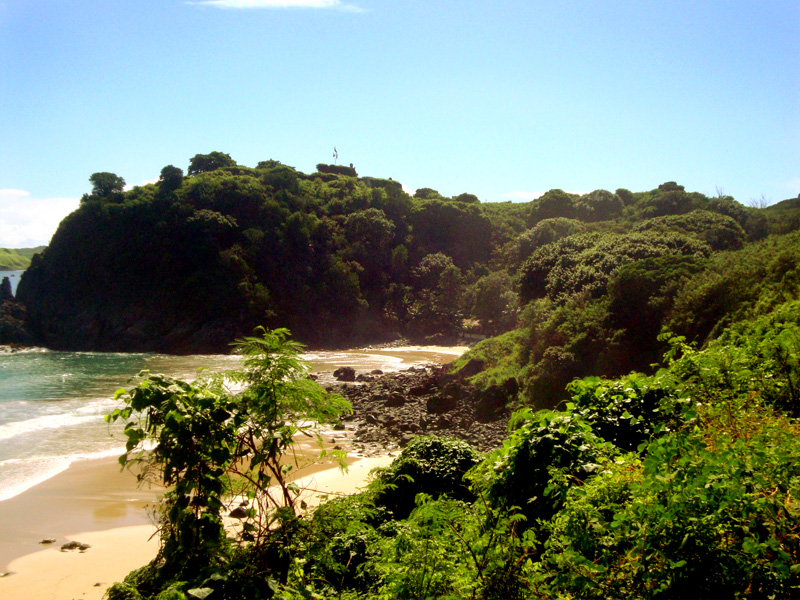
389,410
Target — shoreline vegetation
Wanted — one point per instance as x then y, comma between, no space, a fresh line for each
628,428
113,514
82,504
17,259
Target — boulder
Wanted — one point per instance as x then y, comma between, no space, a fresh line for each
491,403
75,546
395,399
406,439
473,367
441,404
345,374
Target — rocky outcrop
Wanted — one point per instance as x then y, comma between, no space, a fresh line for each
345,374
393,408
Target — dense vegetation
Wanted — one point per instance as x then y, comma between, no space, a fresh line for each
17,259
13,329
680,484
654,338
195,260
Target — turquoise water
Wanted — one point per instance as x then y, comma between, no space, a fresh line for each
52,403
52,406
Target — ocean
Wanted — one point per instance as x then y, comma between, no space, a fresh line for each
52,403
13,277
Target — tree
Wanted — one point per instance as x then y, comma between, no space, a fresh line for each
426,194
105,185
600,205
671,186
171,179
554,203
438,287
204,163
492,300
625,195
467,198
203,433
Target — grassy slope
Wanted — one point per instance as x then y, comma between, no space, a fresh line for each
17,259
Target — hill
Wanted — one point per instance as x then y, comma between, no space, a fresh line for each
17,259
193,261
646,342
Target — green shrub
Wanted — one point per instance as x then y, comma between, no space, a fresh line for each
173,592
123,591
626,412
518,474
430,465
759,359
713,514
737,286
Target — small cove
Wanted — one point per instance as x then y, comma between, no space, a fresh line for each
52,403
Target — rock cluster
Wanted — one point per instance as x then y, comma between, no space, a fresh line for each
390,409
75,546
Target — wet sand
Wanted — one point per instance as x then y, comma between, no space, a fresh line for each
91,495
104,516
94,502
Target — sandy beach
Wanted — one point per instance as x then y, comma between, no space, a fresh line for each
96,504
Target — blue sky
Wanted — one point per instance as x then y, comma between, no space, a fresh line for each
501,99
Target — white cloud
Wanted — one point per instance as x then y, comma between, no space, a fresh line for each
26,221
279,4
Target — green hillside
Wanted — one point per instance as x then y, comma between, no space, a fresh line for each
647,343
17,259
197,259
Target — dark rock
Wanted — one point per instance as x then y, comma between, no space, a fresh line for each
75,546
450,408
238,513
48,541
421,389
387,420
491,402
395,399
405,439
364,378
442,379
473,367
345,374
376,372
454,389
441,404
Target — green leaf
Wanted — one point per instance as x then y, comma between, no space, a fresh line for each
200,592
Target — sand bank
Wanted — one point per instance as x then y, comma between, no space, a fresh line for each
93,503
